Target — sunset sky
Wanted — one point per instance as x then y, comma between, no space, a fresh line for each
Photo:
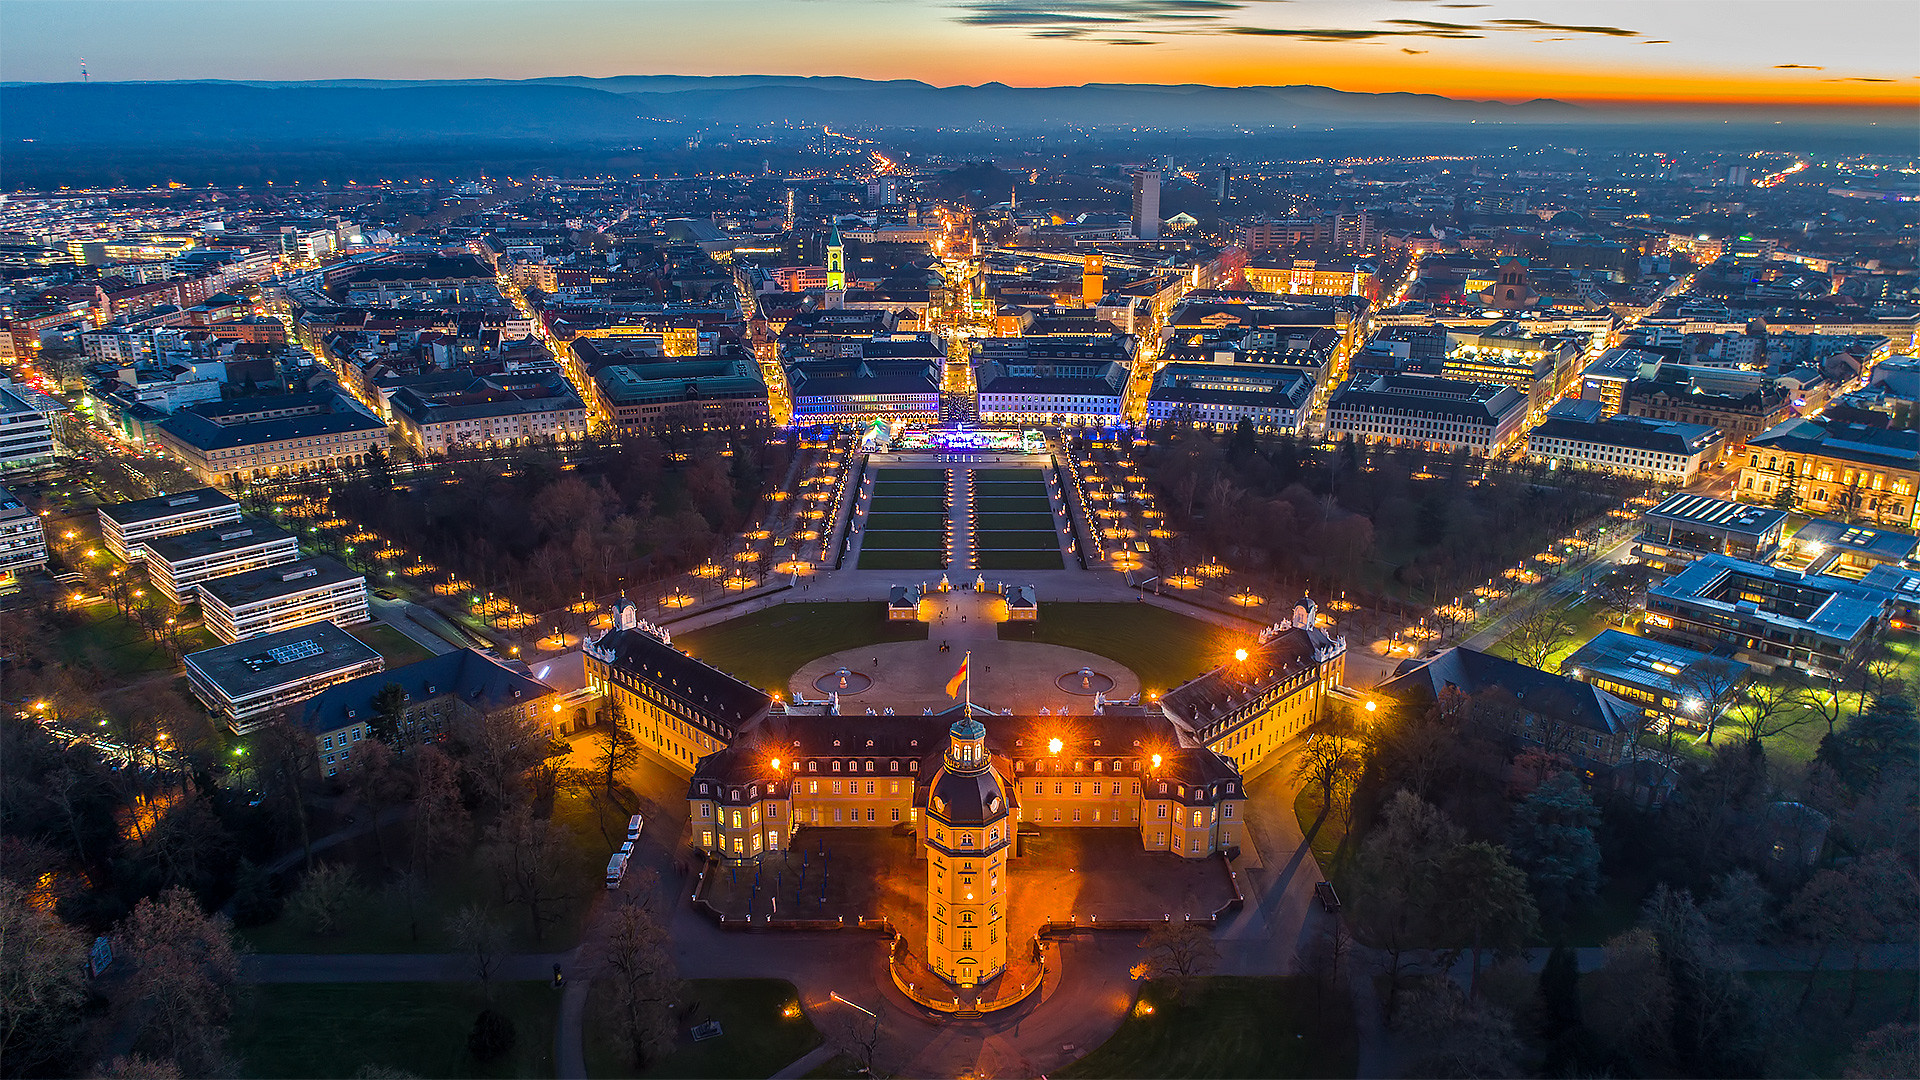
1752,51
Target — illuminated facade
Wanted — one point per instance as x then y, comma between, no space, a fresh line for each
968,835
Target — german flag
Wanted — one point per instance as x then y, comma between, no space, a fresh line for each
959,677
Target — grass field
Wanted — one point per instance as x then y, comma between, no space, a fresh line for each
998,475
890,521
889,489
1230,1026
1023,540
374,925
105,639
767,647
1011,504
337,1029
1018,560
939,475
393,646
757,1039
903,540
1585,619
909,504
994,522
902,560
1163,648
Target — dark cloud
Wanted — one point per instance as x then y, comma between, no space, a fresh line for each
1857,78
1657,41
1536,24
1802,67
1327,33
1413,52
1091,12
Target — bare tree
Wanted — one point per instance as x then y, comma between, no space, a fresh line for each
178,992
1706,690
616,750
528,857
644,981
440,820
325,897
378,783
43,983
1179,952
482,940
1772,708
1537,632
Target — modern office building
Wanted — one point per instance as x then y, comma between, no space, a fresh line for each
1767,616
177,565
1146,205
26,431
316,588
125,526
1684,527
23,540
1665,680
250,682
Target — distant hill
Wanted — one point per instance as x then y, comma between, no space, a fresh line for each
625,109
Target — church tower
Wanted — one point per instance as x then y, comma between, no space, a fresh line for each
1093,278
969,834
836,261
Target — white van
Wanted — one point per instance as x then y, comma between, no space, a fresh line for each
616,870
633,829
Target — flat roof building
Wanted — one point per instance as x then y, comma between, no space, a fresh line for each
250,681
178,564
1660,677
1836,547
125,526
1684,527
23,540
26,431
270,599
1767,616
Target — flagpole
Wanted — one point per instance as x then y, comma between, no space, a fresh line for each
966,665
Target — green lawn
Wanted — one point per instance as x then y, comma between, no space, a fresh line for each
903,540
767,647
1023,540
1230,1026
885,475
886,489
397,648
1042,522
1003,475
902,560
1018,560
104,638
1822,1034
1011,504
757,1039
1162,647
909,504
376,924
336,1029
1586,619
906,521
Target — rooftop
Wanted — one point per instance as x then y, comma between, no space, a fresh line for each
271,660
301,575
473,677
166,506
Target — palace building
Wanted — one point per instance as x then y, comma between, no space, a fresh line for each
968,780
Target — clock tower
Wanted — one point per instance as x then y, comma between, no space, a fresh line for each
969,835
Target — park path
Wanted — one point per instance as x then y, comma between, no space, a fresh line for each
960,521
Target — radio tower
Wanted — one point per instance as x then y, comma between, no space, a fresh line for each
83,69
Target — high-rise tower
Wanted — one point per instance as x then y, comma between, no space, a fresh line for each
1146,205
1093,278
969,833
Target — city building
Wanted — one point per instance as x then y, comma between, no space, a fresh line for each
434,694
1146,205
23,540
1658,450
1682,527
441,413
178,564
1665,680
124,527
1767,616
1834,547
853,391
705,394
267,600
251,682
1084,400
1439,413
1558,713
231,443
1219,396
1850,471
26,431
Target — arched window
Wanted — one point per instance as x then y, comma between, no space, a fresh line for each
894,765
869,764
813,766
836,766
966,918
